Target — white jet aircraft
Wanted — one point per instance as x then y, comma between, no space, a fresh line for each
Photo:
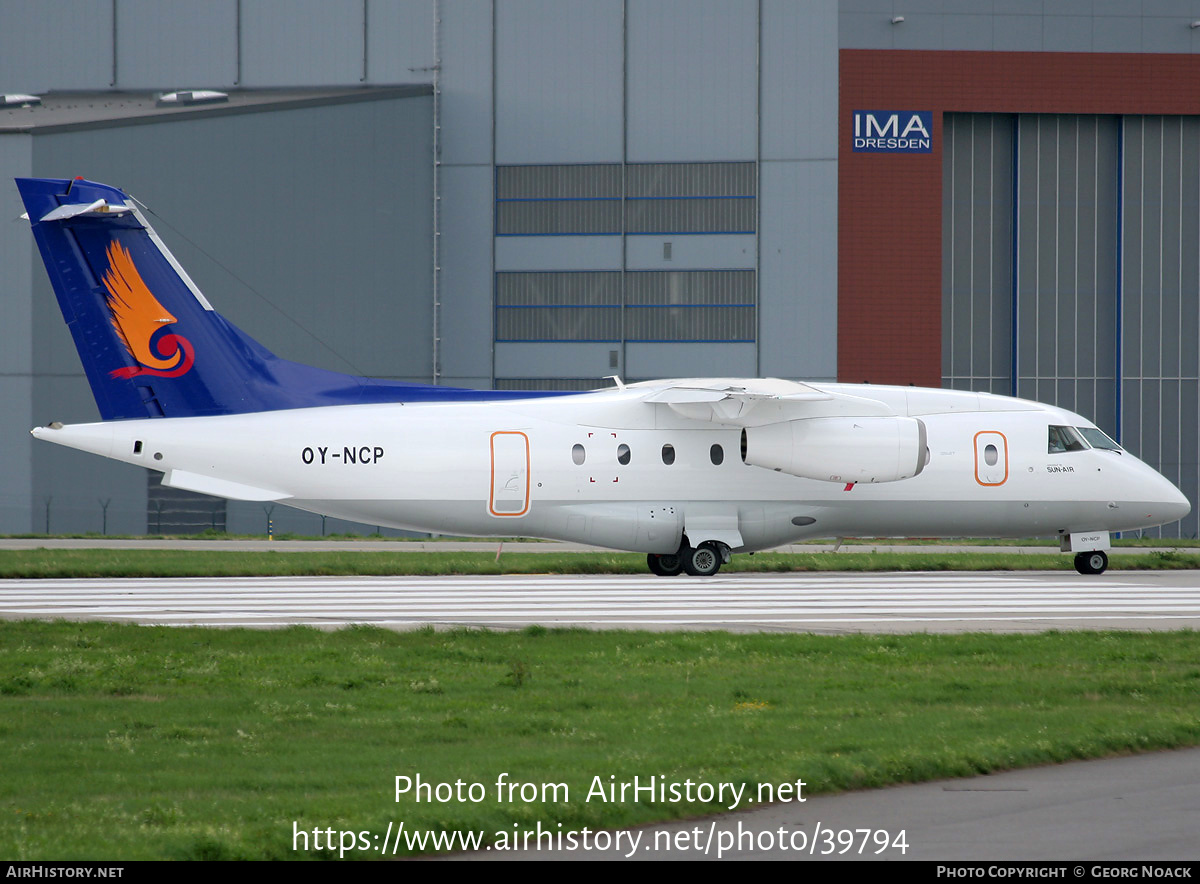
687,471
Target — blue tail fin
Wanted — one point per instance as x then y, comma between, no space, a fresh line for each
151,344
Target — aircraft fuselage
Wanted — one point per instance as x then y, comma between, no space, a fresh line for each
685,470
594,468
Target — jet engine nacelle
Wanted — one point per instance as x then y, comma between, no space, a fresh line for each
839,449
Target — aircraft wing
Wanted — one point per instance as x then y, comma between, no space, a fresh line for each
757,402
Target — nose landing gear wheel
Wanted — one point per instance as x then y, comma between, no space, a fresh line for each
1091,562
703,561
666,565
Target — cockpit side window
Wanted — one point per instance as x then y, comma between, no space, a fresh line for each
1064,439
1098,438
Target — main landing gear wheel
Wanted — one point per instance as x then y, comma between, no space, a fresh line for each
666,565
703,561
1091,562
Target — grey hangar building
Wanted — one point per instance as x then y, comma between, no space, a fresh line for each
537,194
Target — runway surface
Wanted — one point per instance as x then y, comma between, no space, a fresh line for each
828,603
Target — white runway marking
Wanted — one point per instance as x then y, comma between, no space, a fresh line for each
799,602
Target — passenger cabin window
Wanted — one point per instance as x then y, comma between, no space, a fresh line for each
577,454
623,454
668,454
1098,438
1063,440
717,455
991,455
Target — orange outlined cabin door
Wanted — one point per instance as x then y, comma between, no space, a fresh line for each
991,458
510,474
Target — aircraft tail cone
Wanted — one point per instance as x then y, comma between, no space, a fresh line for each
94,438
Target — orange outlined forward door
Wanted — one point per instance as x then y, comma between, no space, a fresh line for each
991,458
510,474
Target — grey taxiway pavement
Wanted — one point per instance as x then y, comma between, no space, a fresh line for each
1083,814
813,602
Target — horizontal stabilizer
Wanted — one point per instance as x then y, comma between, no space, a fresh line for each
218,487
62,213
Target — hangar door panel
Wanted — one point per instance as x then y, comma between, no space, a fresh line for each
1069,275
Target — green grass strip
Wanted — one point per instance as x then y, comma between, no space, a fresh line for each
125,742
59,563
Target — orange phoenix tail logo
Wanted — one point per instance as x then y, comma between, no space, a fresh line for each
137,316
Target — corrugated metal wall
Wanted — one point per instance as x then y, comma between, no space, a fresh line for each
798,199
17,252
538,82
233,197
1160,298
744,89
1066,263
977,252
467,118
1159,26
632,200
1069,248
247,44
644,156
558,75
692,80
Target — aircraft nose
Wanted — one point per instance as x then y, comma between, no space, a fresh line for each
1177,505
1169,502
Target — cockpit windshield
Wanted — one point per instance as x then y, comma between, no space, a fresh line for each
1098,438
1064,439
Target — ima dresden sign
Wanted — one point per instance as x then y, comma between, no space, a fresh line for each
889,131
